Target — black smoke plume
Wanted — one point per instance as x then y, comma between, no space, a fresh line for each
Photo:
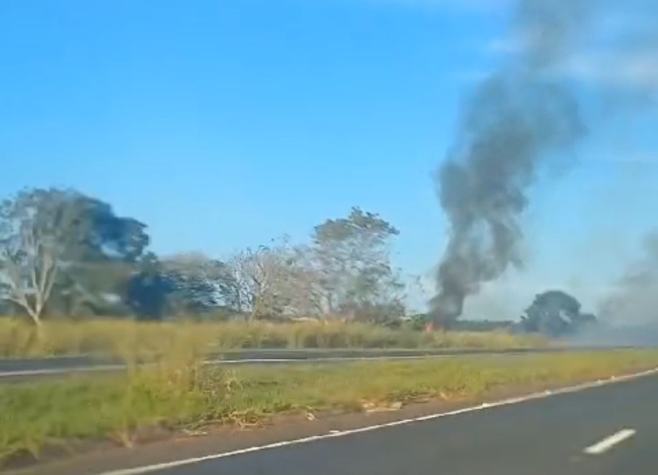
520,116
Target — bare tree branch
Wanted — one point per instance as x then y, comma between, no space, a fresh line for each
35,232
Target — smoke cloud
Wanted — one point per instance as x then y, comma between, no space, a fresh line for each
519,117
628,313
634,301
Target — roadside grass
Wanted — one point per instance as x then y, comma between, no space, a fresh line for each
179,394
129,339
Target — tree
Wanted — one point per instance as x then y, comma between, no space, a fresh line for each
303,287
352,255
270,281
147,290
60,248
555,313
39,233
200,283
189,283
250,280
193,279
262,283
111,251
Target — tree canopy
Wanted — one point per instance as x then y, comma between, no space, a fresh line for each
64,253
555,313
61,246
352,257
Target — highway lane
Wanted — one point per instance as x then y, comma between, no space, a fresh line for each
20,369
606,430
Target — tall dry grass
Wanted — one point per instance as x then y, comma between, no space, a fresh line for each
171,389
140,340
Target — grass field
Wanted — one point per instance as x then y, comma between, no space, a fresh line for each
177,393
129,339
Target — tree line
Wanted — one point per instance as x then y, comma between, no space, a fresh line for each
64,253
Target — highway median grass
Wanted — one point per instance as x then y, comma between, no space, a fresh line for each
126,339
179,393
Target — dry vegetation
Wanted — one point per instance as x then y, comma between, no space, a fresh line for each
177,393
127,339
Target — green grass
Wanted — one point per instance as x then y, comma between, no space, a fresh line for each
177,393
129,339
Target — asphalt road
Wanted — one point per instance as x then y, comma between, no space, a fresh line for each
20,369
607,430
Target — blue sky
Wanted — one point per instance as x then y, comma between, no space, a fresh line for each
223,124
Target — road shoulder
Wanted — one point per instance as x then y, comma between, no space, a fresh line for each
163,448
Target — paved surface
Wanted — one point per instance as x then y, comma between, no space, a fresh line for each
19,369
608,430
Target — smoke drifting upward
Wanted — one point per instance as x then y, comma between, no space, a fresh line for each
516,119
627,315
635,298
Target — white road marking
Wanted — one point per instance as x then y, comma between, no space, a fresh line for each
328,359
321,359
118,367
505,402
609,442
45,372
